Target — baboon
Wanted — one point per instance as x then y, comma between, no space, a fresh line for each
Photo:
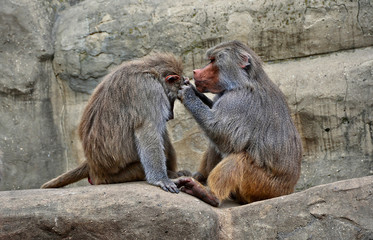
255,150
123,127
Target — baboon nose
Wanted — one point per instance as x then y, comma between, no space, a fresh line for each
196,74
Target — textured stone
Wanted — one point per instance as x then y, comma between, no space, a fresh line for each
331,98
117,211
1,165
106,33
29,138
41,103
340,210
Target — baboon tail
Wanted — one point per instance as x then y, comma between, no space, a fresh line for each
69,177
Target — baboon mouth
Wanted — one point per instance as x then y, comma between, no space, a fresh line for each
197,81
200,85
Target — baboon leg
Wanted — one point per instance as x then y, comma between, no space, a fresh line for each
238,176
181,173
132,172
226,177
223,181
172,174
210,159
171,160
170,153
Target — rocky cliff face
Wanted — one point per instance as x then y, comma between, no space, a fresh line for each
29,137
340,210
55,52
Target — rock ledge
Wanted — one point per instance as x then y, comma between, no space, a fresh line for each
340,210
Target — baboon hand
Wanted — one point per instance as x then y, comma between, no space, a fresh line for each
186,81
167,185
194,188
185,92
186,184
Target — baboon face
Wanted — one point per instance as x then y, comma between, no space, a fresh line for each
207,78
173,84
170,70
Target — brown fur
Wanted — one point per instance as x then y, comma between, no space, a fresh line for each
255,151
123,127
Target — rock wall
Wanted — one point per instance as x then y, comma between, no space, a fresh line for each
331,97
55,52
340,210
29,138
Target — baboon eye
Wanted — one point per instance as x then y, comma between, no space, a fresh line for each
212,60
172,78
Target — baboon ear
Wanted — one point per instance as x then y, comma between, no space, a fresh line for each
246,63
172,78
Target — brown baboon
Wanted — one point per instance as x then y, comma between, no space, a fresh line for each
123,127
255,150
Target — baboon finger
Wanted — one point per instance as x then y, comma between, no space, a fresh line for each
186,190
169,187
182,181
173,189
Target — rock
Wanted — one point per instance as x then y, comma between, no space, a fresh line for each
330,97
29,137
340,210
27,44
116,211
1,165
106,34
55,52
286,29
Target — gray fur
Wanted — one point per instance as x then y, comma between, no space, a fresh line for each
251,115
123,127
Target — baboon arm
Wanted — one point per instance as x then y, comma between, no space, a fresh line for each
152,157
170,153
203,97
149,146
200,111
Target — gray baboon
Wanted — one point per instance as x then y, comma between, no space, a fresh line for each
123,127
255,150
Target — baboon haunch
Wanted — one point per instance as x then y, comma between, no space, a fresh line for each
123,127
255,150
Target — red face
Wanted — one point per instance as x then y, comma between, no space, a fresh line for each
207,78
